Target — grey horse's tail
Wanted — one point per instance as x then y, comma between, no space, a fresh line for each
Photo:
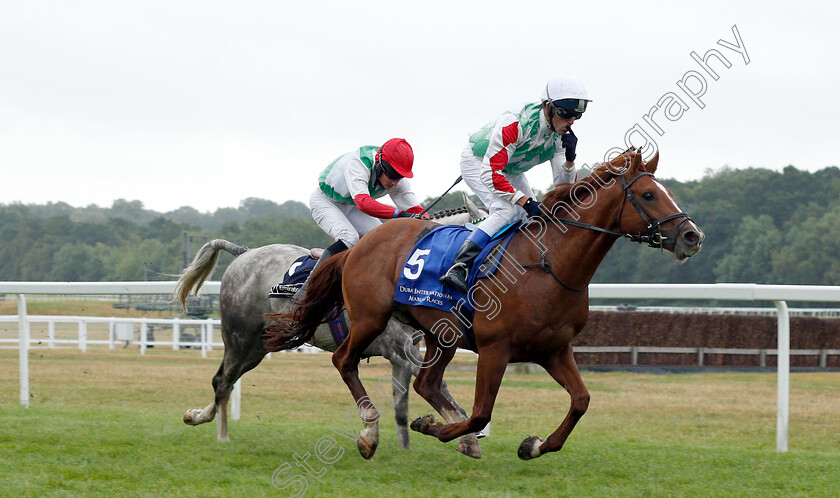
202,266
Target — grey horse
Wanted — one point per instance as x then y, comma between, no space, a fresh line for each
243,304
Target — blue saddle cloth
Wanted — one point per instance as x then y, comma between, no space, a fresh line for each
299,270
419,282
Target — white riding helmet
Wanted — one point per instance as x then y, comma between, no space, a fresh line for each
564,86
567,95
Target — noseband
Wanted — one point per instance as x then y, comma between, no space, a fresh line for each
653,238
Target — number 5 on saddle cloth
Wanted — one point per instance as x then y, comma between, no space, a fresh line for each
419,282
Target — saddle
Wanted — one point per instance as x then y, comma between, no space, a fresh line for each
296,275
294,278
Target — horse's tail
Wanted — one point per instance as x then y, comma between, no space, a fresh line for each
323,294
202,266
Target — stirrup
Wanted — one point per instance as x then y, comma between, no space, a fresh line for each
452,278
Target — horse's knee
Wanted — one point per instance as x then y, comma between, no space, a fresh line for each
423,386
343,362
339,359
580,404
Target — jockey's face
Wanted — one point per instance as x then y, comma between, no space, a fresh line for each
387,182
559,124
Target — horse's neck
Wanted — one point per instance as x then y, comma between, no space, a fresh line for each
576,253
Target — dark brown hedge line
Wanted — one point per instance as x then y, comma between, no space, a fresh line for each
627,328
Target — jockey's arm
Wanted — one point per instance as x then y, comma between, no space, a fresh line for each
371,207
357,176
562,170
503,140
404,198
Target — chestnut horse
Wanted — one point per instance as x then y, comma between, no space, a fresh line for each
531,317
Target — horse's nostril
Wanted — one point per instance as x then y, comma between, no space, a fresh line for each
691,237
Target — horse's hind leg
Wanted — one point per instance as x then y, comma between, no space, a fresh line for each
346,360
236,362
197,416
563,368
223,384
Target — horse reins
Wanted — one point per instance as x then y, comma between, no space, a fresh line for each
654,237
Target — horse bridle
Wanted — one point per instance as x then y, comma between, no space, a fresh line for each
654,237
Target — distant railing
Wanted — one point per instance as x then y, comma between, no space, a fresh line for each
701,353
151,329
720,310
145,336
118,334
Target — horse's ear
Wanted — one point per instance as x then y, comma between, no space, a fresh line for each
636,162
651,165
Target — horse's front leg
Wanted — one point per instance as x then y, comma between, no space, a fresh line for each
407,351
489,373
401,373
563,368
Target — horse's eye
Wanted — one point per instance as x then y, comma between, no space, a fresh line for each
648,196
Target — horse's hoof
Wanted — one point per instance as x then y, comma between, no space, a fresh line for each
530,448
191,415
468,445
366,448
423,423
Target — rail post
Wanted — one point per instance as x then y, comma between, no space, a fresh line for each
51,334
236,400
782,413
176,335
23,351
83,336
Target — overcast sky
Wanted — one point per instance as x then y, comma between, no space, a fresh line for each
205,103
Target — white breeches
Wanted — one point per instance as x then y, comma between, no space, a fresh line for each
344,222
502,212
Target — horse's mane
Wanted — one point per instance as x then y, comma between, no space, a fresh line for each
577,192
448,212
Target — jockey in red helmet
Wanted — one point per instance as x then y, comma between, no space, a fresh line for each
344,205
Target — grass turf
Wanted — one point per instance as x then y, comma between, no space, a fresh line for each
106,422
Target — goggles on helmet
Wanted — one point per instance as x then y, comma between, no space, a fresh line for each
569,108
389,171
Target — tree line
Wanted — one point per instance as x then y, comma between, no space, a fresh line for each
761,226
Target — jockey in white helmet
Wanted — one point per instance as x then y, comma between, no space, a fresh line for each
344,203
497,156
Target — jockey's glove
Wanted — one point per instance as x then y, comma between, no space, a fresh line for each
532,207
406,214
569,141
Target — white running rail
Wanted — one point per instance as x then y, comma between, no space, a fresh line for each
778,294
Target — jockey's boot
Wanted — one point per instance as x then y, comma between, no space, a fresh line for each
328,252
456,275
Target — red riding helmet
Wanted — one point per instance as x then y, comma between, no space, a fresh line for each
397,152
